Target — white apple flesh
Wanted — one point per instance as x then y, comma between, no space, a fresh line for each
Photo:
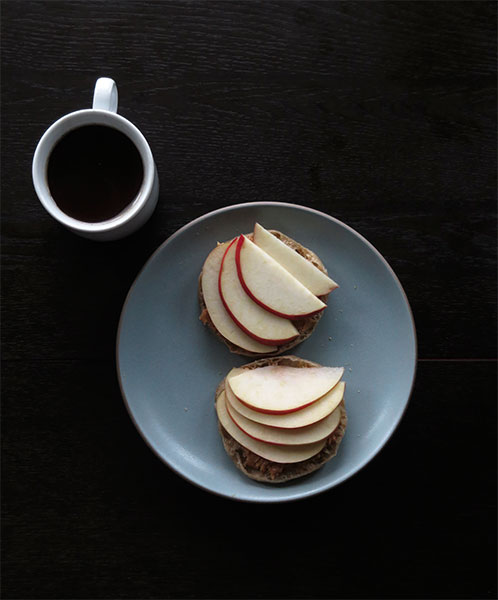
312,413
285,437
259,324
279,454
217,312
272,286
310,276
278,389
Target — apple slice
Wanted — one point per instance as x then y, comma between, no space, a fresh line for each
280,454
256,322
272,286
285,437
312,413
310,276
217,312
278,389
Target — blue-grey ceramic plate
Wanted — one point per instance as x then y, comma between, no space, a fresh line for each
169,364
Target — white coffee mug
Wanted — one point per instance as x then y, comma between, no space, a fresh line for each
103,112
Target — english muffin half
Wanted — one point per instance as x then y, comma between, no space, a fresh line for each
262,469
304,326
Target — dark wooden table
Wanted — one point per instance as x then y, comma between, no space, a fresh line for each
381,114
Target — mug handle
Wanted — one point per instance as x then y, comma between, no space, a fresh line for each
105,96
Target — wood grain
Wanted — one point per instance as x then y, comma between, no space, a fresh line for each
89,512
382,114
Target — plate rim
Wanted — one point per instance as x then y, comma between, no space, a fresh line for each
387,435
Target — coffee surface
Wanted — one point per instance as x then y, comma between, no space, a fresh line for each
94,172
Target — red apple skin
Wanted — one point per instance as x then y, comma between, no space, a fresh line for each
248,434
238,323
267,411
240,241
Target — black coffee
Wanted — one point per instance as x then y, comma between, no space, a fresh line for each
94,172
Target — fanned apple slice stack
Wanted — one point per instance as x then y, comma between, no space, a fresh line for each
255,289
281,413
